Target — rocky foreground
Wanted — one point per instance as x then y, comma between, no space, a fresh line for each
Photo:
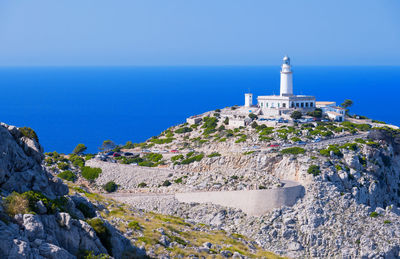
42,217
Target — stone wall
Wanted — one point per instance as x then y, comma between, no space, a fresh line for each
252,202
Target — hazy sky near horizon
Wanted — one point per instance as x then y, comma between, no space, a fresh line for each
199,32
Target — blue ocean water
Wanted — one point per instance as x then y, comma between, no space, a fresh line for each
71,105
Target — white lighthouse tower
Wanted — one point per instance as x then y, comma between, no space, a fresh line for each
286,78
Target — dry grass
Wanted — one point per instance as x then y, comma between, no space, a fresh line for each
16,203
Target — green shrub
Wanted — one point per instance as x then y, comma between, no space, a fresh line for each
214,154
360,140
166,183
241,139
161,140
314,170
142,185
350,146
387,222
374,214
62,166
147,164
192,159
177,157
179,180
67,175
295,139
111,186
334,148
226,121
293,150
76,160
29,133
134,225
153,157
102,232
183,130
90,173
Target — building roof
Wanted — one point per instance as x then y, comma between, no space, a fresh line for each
339,108
325,103
334,113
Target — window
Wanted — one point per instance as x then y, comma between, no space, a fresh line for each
261,104
306,104
302,105
279,105
266,104
284,105
311,104
292,105
297,105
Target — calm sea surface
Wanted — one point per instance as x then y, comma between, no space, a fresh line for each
72,105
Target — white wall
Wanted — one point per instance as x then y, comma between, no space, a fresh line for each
252,202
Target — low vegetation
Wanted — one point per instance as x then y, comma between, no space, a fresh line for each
90,173
293,150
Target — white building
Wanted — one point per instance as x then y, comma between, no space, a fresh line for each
286,101
331,110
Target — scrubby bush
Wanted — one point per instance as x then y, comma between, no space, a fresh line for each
29,133
102,232
374,214
177,157
110,186
192,159
226,121
161,140
314,170
214,154
142,185
16,203
107,145
293,150
153,157
67,175
183,130
147,164
62,166
179,180
166,183
76,160
90,173
331,148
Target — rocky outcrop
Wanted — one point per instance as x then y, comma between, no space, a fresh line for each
20,165
48,234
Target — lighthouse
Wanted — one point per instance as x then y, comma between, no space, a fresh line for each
286,78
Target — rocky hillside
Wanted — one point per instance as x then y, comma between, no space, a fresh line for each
42,217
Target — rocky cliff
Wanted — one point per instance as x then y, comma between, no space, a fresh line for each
38,219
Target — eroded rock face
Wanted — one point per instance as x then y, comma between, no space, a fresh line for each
20,165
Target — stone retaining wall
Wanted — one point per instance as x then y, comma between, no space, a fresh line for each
252,202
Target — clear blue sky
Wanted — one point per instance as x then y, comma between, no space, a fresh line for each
199,32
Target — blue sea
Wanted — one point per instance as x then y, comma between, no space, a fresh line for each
71,105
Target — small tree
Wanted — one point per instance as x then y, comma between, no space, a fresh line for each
79,149
296,115
107,145
346,104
